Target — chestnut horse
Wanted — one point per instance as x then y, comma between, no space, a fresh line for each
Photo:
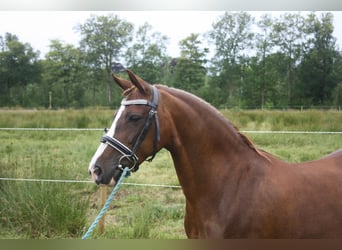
232,189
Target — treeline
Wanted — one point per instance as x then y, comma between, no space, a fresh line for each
273,62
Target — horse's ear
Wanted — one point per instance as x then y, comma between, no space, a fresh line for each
138,82
124,84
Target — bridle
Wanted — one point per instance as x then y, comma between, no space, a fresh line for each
130,154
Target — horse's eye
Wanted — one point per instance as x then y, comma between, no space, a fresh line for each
134,118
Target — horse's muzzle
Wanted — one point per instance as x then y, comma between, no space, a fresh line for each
100,176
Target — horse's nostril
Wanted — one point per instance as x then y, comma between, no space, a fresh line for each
97,170
98,174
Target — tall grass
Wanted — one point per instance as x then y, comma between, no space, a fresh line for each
42,210
145,213
308,120
39,209
87,118
56,210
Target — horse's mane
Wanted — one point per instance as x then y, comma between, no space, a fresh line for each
198,101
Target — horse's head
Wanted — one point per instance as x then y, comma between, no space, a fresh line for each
134,134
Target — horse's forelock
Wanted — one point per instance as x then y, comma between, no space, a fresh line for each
128,91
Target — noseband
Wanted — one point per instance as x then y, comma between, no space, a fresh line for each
130,154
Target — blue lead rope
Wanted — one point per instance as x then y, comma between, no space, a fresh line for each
124,174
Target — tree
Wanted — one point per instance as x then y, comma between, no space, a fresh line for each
337,92
232,38
190,71
19,66
317,71
147,56
64,75
274,77
288,36
104,40
264,46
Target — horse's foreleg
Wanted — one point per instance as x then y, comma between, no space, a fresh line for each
190,223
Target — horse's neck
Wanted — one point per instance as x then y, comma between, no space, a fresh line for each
205,146
198,127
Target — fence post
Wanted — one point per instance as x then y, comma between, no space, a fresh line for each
103,200
50,100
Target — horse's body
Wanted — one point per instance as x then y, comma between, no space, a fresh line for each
232,189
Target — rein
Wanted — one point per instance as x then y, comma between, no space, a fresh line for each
124,174
130,154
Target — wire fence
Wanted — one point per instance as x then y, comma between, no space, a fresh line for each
147,185
137,184
244,131
74,181
82,181
289,132
51,129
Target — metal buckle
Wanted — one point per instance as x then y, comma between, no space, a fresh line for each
130,158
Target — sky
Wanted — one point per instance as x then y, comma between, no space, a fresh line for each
38,28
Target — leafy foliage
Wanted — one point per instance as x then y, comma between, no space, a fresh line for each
288,61
19,67
147,57
189,72
104,39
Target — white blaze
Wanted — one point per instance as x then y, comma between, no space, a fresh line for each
103,146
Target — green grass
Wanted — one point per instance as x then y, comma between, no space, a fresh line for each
36,209
308,120
71,118
298,147
55,210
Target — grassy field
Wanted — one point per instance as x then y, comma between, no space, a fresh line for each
65,210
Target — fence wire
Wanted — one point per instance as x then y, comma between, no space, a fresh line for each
244,131
138,184
82,181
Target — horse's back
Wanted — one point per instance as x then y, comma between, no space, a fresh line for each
327,169
330,161
300,200
312,191
337,156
